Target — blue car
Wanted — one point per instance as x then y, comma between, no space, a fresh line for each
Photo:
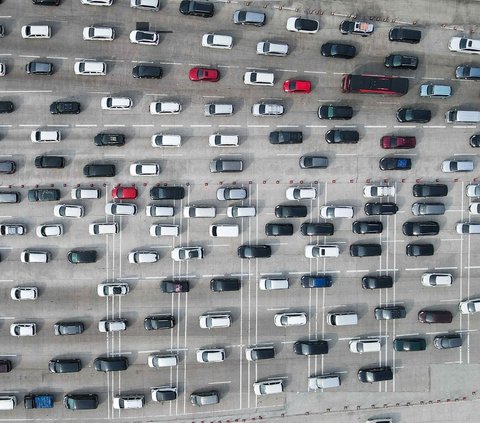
316,281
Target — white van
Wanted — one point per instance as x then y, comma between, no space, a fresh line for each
86,67
241,211
217,140
268,48
166,140
116,103
30,256
7,402
128,401
36,31
217,41
342,318
159,211
224,231
259,78
268,387
162,360
45,136
331,212
214,109
164,230
361,346
468,228
199,211
103,228
324,382
215,321
85,193
467,116
266,284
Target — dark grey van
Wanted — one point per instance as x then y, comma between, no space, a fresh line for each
9,197
39,68
246,17
99,170
223,165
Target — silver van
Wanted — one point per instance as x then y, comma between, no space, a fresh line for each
246,17
199,211
467,116
426,209
266,284
214,109
342,318
241,211
468,228
7,402
268,48
224,231
324,382
9,197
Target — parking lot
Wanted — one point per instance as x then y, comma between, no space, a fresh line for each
68,292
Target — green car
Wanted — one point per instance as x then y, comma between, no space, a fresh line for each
409,344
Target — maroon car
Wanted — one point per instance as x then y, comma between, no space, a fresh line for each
435,316
392,141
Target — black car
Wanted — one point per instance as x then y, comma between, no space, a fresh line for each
419,250
409,344
435,316
44,194
389,312
39,68
375,374
175,286
167,193
109,140
426,227
430,190
68,328
406,114
261,353
110,364
64,107
335,112
147,71
365,250
80,401
317,229
196,8
49,162
291,211
405,35
159,322
467,72
99,170
278,229
377,282
254,251
82,256
6,107
447,341
7,167
342,136
395,163
286,137
165,394
310,347
65,365
367,227
341,51
400,61
46,2
305,24
313,162
224,284
475,140
377,209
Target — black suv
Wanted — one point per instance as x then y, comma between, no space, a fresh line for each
49,162
426,227
167,193
430,190
367,227
44,194
147,71
108,140
254,251
39,68
64,107
335,112
99,170
375,374
196,8
110,364
405,35
224,284
310,347
6,107
317,229
286,137
419,250
380,209
365,250
290,211
342,136
65,365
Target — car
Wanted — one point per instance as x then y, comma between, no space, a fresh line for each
65,365
68,328
65,107
268,48
257,353
375,374
109,140
124,193
441,342
46,2
109,289
98,33
286,211
372,191
474,140
82,256
112,325
219,140
164,393
215,321
225,284
409,344
3,69
428,209
149,38
449,166
147,71
143,256
32,31
12,229
175,286
360,28
315,251
435,90
406,114
211,355
218,109
389,312
377,209
464,45
313,162
473,190
7,167
437,279
268,387
167,193
82,401
35,256
69,210
254,251
196,8
49,162
342,136
43,194
23,329
165,107
230,193
286,137
400,61
377,282
99,170
151,5
337,50
365,250
419,250
133,401
430,190
217,41
44,231
304,25
153,210
397,142
40,136
187,253
469,306
144,169
116,103
435,316
405,35
267,109
297,86
474,208
335,112
110,364
395,163
204,74
201,398
97,2
39,68
158,322
316,281
332,212
301,193
310,347
247,17
6,106
420,228
278,229
120,209
367,227
317,229
20,293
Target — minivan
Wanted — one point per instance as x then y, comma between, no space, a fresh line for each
7,402
361,346
103,228
467,116
331,212
324,382
162,360
36,31
259,353
86,67
224,231
85,193
45,136
213,109
31,256
9,197
217,140
426,209
266,284
342,318
128,401
246,17
268,48
224,165
164,230
241,211
199,211
166,140
468,228
99,170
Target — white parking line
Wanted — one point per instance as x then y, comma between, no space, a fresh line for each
217,383
358,271
416,268
445,268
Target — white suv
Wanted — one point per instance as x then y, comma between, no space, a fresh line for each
98,33
116,103
153,5
259,78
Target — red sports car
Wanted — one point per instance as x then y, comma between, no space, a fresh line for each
124,193
392,141
204,74
297,86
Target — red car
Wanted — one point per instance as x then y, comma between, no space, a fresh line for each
204,74
297,86
124,193
392,141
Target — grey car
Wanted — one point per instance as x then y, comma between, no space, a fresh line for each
39,68
447,341
201,398
246,17
390,312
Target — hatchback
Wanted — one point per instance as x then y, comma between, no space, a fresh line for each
159,322
124,193
164,393
150,38
204,74
98,33
469,306
39,68
65,365
82,256
419,250
230,193
390,312
199,399
213,355
301,193
68,328
68,210
297,86
120,209
367,227
110,364
435,316
413,115
268,387
313,162
437,279
175,286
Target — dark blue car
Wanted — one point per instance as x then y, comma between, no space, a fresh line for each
316,281
395,163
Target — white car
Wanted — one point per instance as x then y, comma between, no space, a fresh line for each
215,321
437,279
474,208
187,253
331,212
301,193
372,191
134,401
267,109
3,69
153,5
116,103
467,228
97,2
24,293
290,319
164,230
12,229
217,41
23,329
360,346
144,169
299,24
149,38
36,31
268,387
146,256
464,45
218,140
98,33
449,166
165,107
54,229
68,210
103,228
120,209
259,78
473,190
215,355
113,325
159,211
469,306
315,251
45,136
109,289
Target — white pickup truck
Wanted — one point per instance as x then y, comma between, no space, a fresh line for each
361,28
